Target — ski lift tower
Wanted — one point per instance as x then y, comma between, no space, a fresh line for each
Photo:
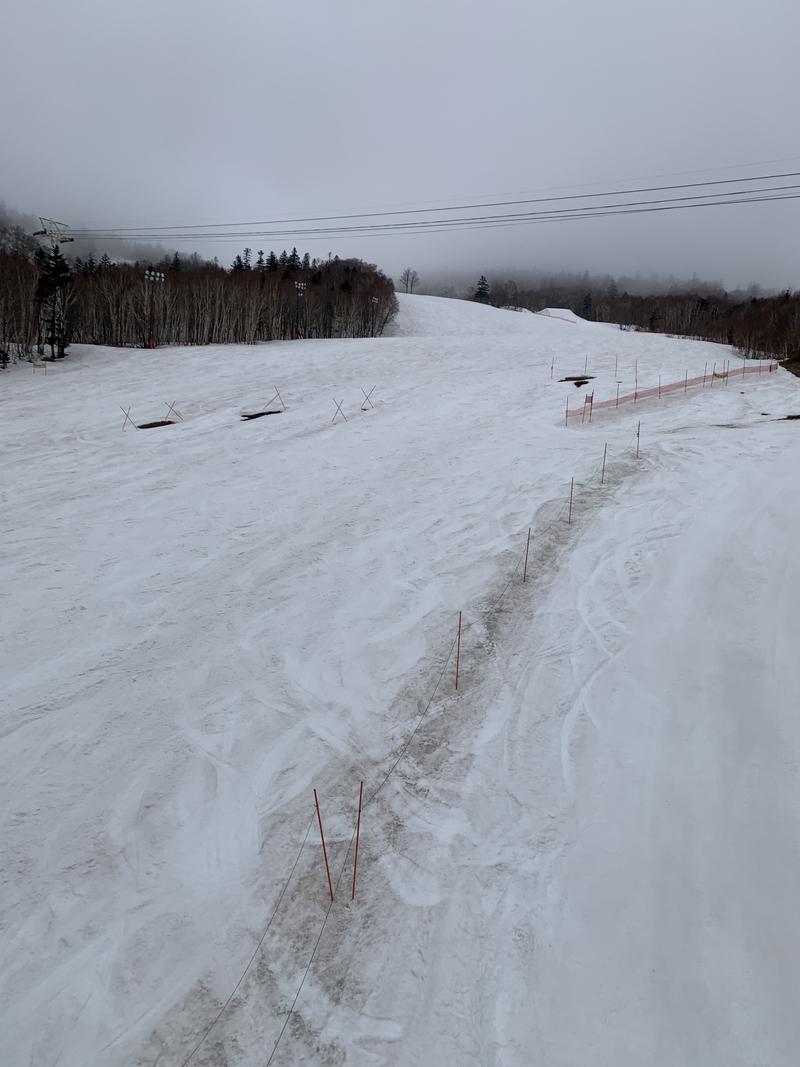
57,233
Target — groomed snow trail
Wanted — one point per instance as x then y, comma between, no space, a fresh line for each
587,855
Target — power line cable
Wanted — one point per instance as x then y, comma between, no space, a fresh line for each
153,230
473,223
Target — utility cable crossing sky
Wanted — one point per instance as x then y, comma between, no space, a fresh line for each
748,190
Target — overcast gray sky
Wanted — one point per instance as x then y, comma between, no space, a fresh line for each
191,111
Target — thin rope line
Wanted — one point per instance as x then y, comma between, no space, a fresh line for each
367,801
421,719
313,954
255,952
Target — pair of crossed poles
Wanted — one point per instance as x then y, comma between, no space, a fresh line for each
171,410
367,401
278,395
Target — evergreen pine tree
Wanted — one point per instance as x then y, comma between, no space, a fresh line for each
52,291
260,260
306,262
272,262
482,292
588,307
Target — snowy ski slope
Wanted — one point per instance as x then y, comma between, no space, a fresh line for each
586,856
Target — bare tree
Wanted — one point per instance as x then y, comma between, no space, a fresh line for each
409,279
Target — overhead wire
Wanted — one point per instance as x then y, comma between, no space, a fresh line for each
204,230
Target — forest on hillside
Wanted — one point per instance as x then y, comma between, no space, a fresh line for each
48,301
754,324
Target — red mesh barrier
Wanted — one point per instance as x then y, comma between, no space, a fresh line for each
590,405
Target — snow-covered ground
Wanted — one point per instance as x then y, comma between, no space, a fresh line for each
588,855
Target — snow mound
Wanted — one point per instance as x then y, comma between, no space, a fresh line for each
561,313
437,316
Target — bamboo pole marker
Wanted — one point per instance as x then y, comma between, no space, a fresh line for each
705,369
552,365
127,418
586,364
617,403
527,546
338,411
636,381
358,832
616,363
659,387
458,648
571,491
638,435
324,850
713,373
566,417
603,472
686,381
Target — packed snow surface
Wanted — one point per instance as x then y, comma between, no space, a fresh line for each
586,855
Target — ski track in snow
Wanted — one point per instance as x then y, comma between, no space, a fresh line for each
587,855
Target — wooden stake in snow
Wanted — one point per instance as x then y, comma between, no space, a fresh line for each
659,387
358,832
586,364
617,403
603,472
636,381
458,648
705,369
552,365
638,435
686,381
527,546
324,850
566,416
571,491
713,373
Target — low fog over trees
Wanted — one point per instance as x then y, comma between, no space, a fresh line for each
753,323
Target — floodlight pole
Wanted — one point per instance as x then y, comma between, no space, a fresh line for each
300,292
152,279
